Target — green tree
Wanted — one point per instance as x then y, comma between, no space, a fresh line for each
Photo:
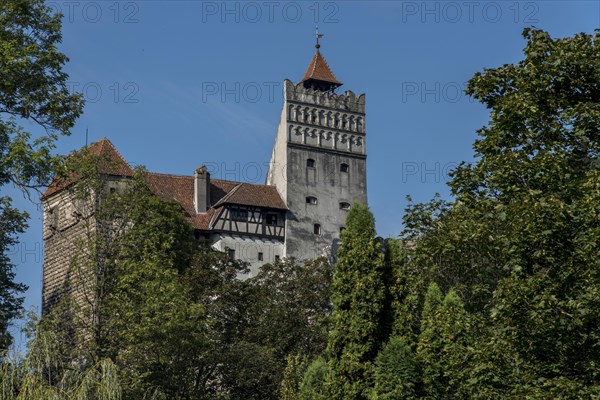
358,296
290,308
519,243
292,377
442,346
313,386
129,300
397,374
28,378
34,89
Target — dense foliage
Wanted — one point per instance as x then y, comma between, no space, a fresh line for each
167,313
33,92
495,294
358,296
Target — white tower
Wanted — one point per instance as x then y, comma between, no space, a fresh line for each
318,162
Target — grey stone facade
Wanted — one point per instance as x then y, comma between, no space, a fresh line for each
318,165
317,170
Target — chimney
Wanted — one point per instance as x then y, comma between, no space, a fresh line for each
201,190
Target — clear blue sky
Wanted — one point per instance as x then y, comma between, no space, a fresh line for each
174,84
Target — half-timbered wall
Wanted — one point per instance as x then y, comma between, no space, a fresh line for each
252,221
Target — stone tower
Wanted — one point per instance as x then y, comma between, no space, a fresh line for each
318,163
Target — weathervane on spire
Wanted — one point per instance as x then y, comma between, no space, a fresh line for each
319,36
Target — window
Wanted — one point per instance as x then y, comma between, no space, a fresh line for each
310,163
53,217
239,214
317,229
276,258
113,190
260,256
344,168
311,200
344,206
231,254
271,219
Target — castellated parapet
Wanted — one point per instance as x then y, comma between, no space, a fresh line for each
318,165
325,120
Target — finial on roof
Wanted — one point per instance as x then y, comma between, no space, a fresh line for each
318,76
319,36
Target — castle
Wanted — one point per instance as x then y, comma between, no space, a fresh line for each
317,170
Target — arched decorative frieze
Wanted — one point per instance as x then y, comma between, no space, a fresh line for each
360,148
305,134
359,125
351,123
312,137
321,136
327,140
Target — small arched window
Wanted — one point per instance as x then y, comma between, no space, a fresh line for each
344,167
311,200
344,206
310,163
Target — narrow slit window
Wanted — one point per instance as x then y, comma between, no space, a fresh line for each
260,256
317,229
231,254
311,200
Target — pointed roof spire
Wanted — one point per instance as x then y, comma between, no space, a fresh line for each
319,75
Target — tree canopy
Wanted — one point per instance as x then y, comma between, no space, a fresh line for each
33,89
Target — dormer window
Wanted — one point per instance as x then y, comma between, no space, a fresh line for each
310,163
344,206
238,214
344,168
311,200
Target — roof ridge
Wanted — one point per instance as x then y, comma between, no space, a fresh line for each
228,195
212,180
103,141
172,175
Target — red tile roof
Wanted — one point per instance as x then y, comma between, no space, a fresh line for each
111,163
181,190
319,70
